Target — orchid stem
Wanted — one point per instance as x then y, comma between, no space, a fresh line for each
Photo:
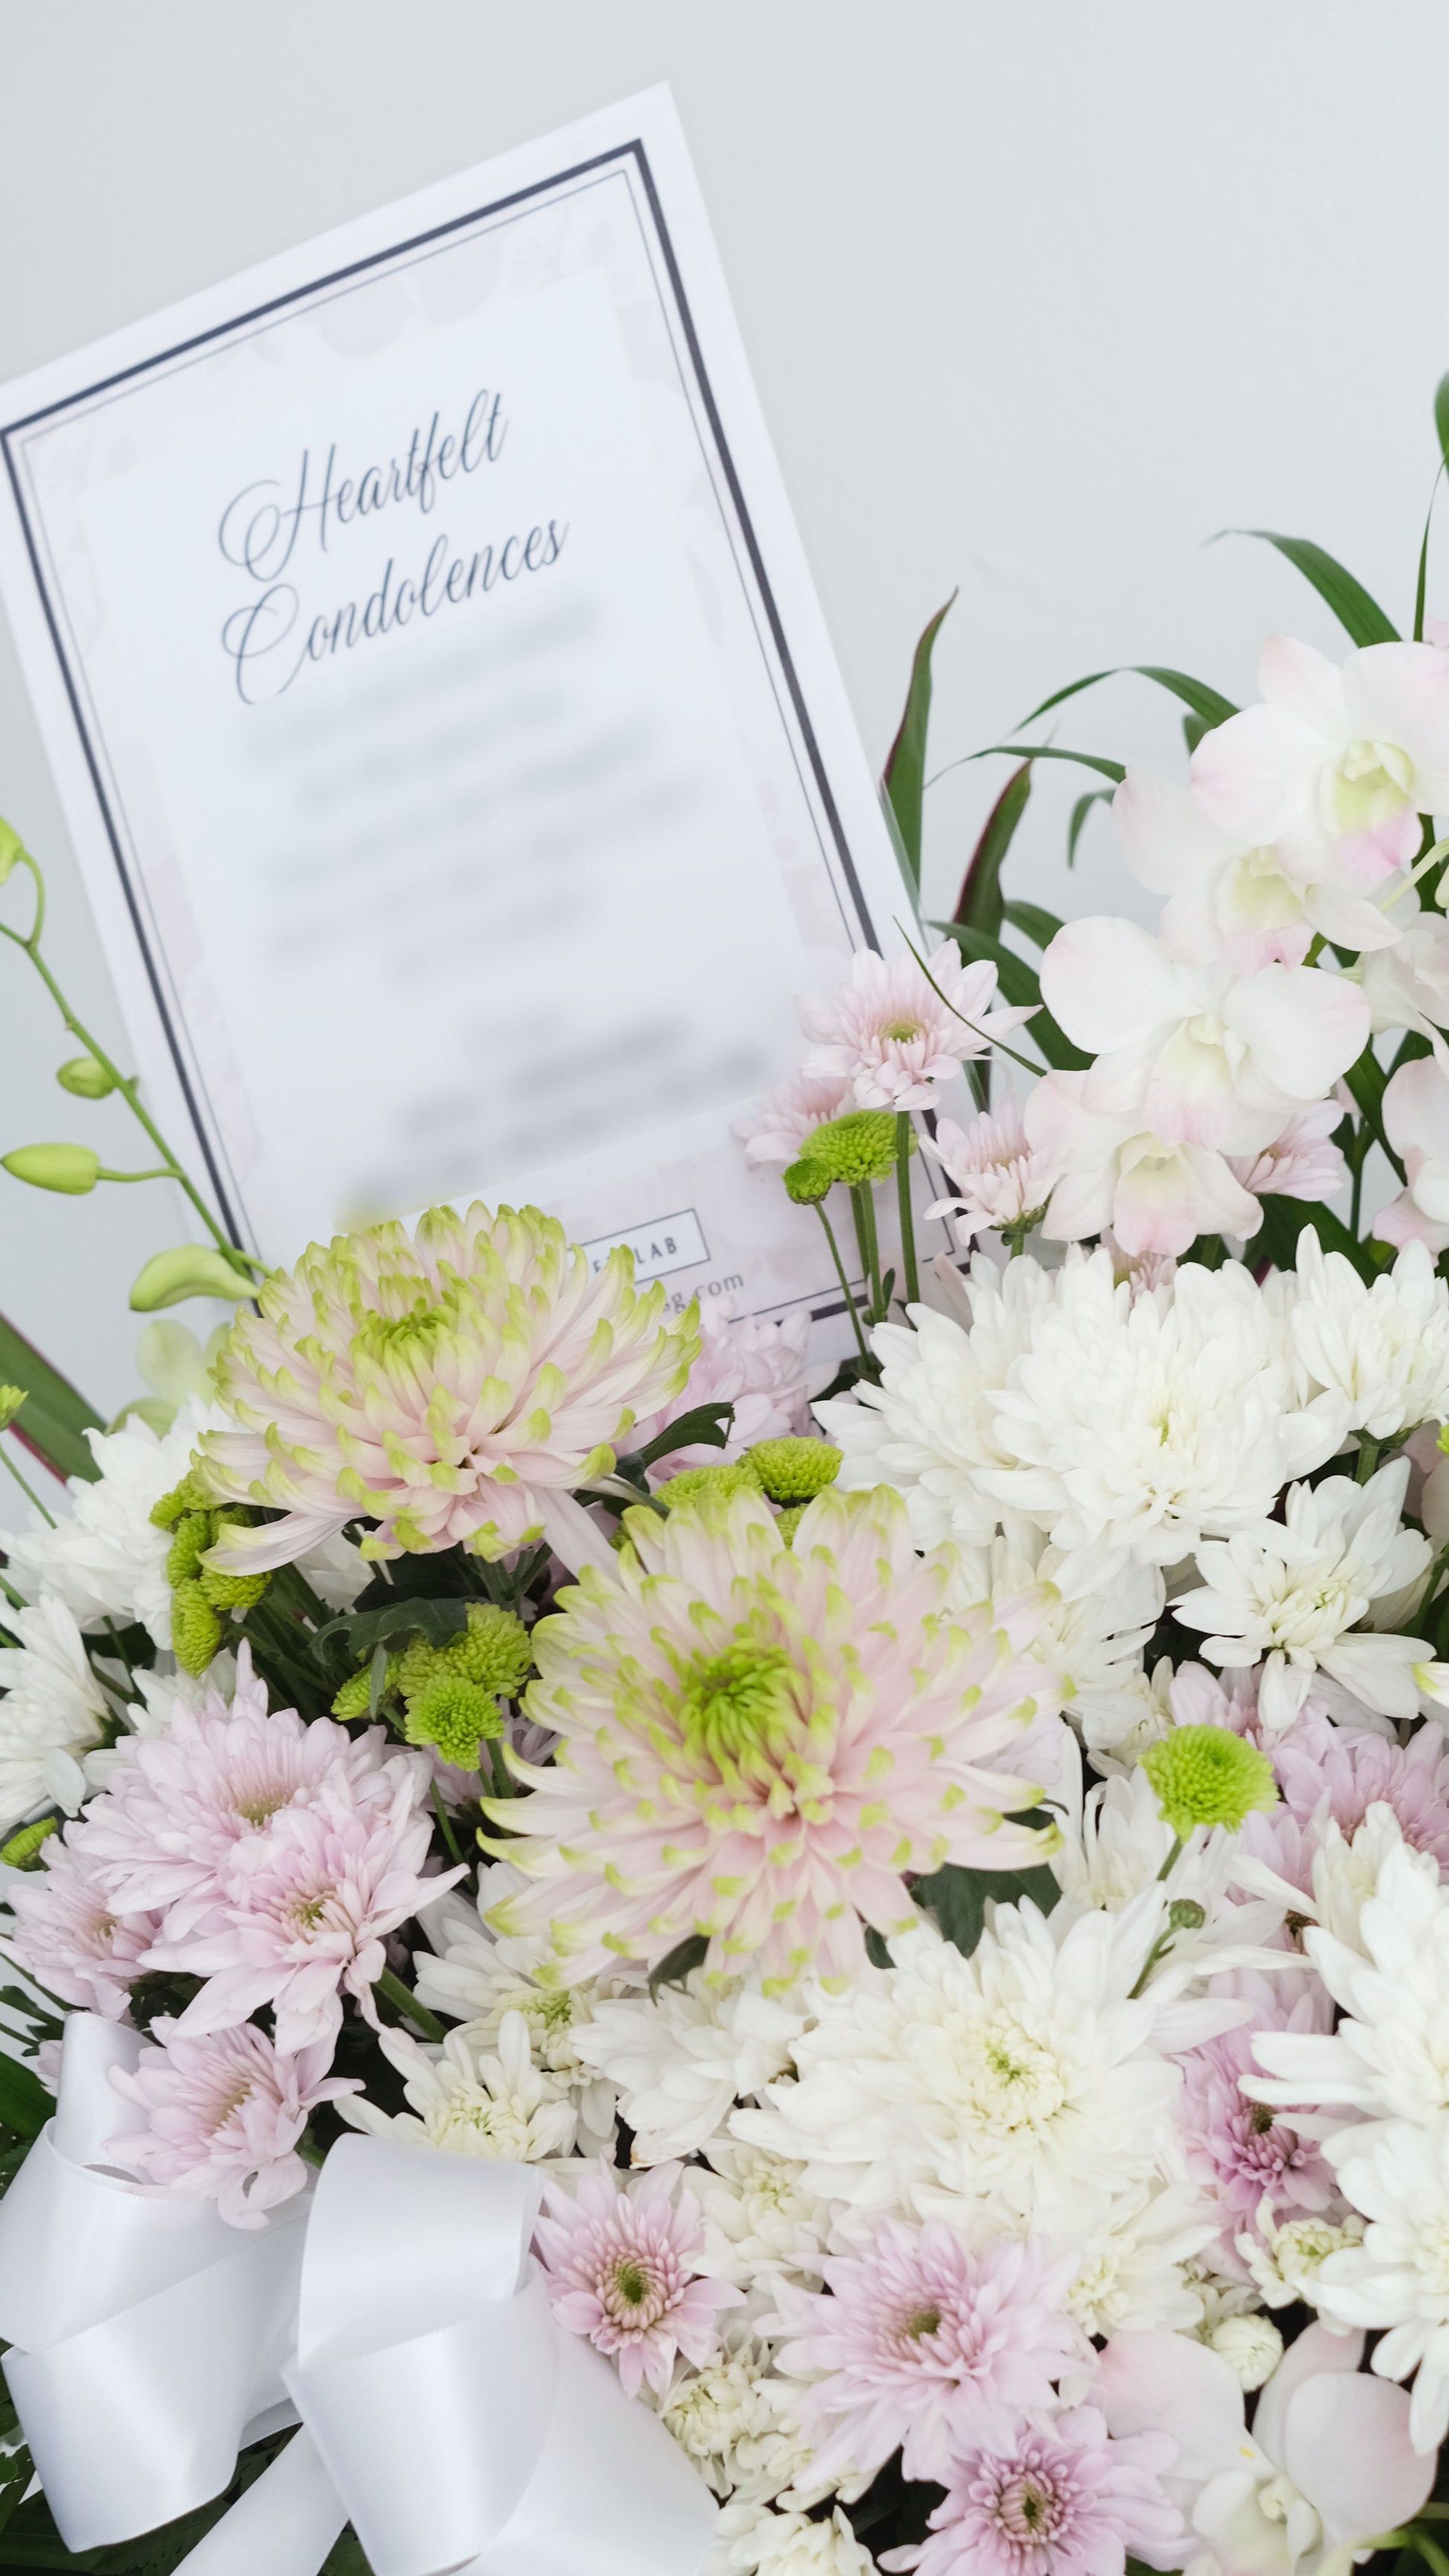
27,1489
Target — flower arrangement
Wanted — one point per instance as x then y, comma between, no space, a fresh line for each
877,1953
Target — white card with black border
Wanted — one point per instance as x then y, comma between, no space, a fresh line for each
460,770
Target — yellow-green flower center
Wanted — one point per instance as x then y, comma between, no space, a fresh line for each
740,1704
1206,1775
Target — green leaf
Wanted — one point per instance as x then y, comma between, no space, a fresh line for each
958,1898
1112,769
1193,730
1038,926
979,901
1441,416
905,770
25,2105
359,1633
688,1954
1284,1220
1209,704
1020,987
1366,1079
705,1426
1080,811
54,1420
1358,614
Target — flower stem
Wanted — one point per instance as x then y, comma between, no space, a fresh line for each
850,1304
128,1087
903,1193
863,1203
1368,1459
27,1489
1173,1857
445,1827
406,2002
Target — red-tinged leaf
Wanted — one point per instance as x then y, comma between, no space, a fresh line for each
904,779
980,898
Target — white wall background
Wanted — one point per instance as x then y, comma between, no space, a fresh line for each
1039,295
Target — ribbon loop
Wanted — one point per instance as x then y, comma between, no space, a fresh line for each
396,2309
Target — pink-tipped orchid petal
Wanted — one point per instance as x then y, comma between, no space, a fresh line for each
1399,694
1156,2382
1167,839
1303,681
1304,1027
1313,2353
1253,776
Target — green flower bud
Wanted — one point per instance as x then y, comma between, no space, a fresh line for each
496,1650
195,1533
860,1146
793,1471
195,1628
23,1849
1184,1914
72,1169
189,1496
789,1521
191,1270
1206,1775
11,1400
807,1183
701,1484
232,1591
88,1080
12,850
453,1715
355,1697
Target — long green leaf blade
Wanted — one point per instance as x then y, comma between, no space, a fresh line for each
1034,921
1209,704
25,2105
53,1421
1112,769
904,779
1358,613
1080,811
980,899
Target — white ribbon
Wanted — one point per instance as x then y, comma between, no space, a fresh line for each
395,2311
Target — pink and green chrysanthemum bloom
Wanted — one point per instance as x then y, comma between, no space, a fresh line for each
453,1387
622,2265
760,1738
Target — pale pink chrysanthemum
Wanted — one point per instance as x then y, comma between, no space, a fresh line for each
760,1735
1302,1162
893,1031
455,1387
927,2348
748,1362
223,2116
1002,1179
1242,2153
775,1128
622,2266
162,1834
69,1934
1060,2498
302,1913
1342,1771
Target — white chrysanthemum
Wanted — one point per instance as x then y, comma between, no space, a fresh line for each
1287,1593
467,2103
761,2219
1127,1428
1398,2177
681,2059
1134,2248
52,1712
756,2541
1029,2071
929,1428
1384,1348
107,1560
1251,2346
1285,2261
1345,1871
720,2413
1142,1425
160,1696
1096,1638
1116,1844
475,1978
1388,2058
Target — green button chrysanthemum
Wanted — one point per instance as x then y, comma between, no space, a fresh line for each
1206,1775
793,1471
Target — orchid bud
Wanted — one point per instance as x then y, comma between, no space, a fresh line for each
72,1169
87,1078
12,850
190,1270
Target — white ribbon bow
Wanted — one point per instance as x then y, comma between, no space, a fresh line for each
395,2311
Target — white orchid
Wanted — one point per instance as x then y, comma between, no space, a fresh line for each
1407,986
1197,1053
1230,896
1416,1123
1115,1173
1327,2466
1338,763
